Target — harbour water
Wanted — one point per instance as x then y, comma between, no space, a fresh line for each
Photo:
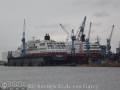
63,78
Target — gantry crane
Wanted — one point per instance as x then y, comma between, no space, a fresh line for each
119,53
88,38
80,35
98,40
64,29
23,40
109,42
73,38
119,48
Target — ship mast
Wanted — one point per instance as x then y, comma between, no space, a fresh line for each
23,39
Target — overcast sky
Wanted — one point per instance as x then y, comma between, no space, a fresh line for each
44,16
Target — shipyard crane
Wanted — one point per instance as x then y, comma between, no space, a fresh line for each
88,38
73,38
119,48
119,44
80,34
119,51
98,40
23,40
109,42
64,29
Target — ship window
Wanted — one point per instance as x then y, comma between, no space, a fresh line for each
57,46
50,47
61,47
34,45
42,44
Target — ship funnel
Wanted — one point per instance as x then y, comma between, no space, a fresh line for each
47,37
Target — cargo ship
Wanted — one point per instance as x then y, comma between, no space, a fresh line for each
75,51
